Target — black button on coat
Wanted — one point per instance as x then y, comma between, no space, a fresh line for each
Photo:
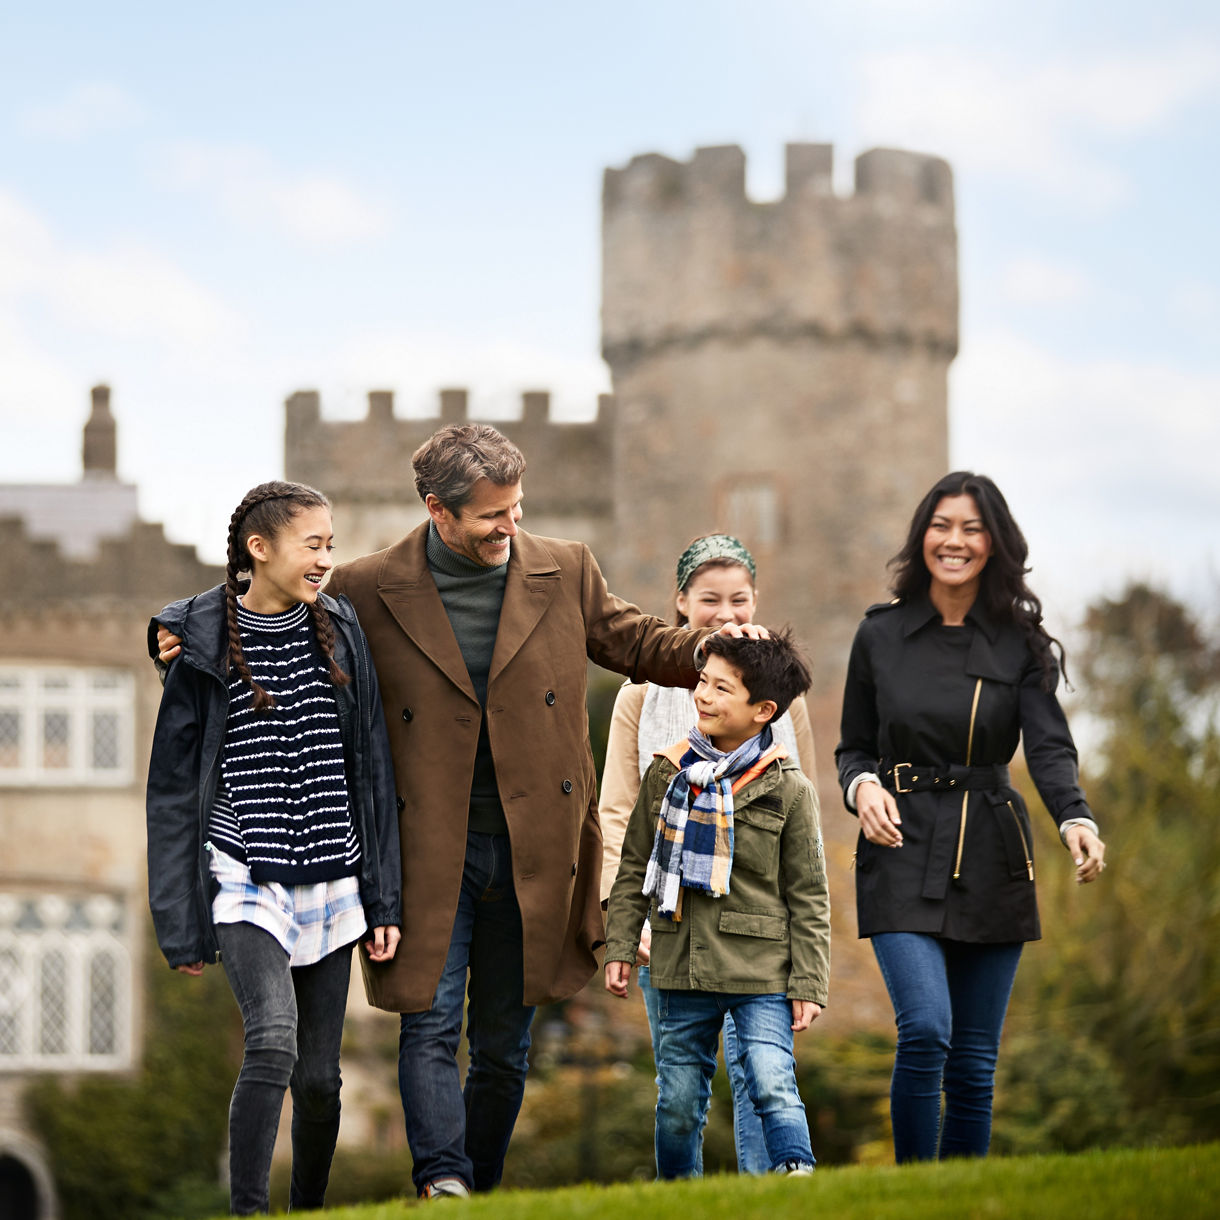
965,868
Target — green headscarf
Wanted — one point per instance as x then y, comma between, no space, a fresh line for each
714,546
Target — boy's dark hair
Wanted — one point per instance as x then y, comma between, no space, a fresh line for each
774,668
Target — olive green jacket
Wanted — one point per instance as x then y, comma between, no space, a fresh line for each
771,932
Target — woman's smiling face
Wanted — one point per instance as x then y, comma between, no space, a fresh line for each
956,545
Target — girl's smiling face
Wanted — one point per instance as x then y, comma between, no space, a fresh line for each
289,568
718,594
956,545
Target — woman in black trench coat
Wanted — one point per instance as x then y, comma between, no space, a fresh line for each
941,683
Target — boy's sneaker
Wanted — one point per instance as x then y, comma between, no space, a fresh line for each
801,1169
442,1188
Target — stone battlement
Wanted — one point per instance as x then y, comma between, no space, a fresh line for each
364,465
688,257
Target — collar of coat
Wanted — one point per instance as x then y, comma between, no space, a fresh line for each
406,587
919,612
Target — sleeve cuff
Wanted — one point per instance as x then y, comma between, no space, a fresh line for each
1068,823
869,776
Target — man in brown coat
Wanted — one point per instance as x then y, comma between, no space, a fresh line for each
480,635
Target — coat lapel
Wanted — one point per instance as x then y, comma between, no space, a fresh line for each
409,593
532,582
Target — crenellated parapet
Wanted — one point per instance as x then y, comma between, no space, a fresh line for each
141,568
368,461
688,256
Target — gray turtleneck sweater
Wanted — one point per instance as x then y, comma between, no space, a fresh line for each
472,595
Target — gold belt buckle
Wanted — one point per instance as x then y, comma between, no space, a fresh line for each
897,780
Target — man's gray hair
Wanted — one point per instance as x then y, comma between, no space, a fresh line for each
454,458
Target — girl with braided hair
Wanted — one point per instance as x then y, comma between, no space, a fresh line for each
272,823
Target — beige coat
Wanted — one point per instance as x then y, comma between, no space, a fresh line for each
557,613
621,775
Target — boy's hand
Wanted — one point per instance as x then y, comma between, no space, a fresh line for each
617,974
804,1014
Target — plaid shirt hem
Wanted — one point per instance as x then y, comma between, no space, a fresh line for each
308,921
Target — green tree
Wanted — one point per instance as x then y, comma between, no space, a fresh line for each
149,1145
1130,975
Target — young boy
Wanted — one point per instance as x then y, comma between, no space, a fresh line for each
724,853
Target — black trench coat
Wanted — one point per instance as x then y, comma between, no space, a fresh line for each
965,870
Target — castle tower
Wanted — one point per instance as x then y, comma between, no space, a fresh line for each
779,371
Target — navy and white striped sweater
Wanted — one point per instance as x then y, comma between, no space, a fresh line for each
282,803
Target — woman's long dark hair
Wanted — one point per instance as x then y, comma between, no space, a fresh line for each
1005,595
265,510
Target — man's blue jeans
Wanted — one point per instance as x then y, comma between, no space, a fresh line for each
456,1131
949,1003
747,1126
689,1024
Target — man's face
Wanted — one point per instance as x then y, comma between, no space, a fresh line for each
482,529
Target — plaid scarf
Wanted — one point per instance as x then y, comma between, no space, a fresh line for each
693,846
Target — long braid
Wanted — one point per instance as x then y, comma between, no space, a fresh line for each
239,561
265,510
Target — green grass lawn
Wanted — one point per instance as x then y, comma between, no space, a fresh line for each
1158,1184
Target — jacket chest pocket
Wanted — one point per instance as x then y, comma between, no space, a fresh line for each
756,831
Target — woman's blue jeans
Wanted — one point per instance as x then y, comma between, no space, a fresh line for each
688,1035
949,1003
747,1126
457,1130
293,1021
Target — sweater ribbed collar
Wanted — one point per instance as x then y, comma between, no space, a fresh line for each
442,558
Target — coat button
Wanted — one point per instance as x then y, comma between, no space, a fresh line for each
408,715
550,698
402,804
567,785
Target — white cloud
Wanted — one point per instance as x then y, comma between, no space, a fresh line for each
991,113
89,108
126,292
1036,281
251,190
1109,464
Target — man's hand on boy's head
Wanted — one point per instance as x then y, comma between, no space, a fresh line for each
617,975
804,1014
753,631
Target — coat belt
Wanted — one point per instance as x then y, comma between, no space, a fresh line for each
925,777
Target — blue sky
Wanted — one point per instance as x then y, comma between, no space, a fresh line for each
212,208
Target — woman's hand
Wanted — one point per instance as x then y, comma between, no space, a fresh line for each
384,943
878,813
195,969
1088,851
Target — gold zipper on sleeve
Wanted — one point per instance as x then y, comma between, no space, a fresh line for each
961,832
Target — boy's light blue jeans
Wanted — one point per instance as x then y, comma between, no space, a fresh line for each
747,1126
688,1034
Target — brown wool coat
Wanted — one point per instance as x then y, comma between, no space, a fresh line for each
557,612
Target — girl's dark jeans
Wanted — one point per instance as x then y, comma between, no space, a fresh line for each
293,1020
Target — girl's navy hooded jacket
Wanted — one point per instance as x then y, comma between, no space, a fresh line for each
184,771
